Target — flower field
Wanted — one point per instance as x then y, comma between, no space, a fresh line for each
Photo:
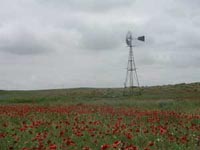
96,127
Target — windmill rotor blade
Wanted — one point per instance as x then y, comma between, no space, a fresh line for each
129,38
128,42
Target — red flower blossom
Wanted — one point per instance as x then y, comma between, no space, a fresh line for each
116,144
105,146
2,135
162,130
129,135
69,142
183,139
86,148
52,147
151,144
131,147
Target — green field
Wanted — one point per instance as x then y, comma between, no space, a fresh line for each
180,97
160,118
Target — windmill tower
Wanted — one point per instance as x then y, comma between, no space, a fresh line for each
131,79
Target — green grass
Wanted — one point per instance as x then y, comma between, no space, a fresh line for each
181,97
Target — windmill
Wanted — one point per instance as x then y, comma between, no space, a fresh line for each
131,79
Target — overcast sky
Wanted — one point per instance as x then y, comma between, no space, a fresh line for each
81,43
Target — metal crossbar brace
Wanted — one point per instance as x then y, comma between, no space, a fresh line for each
131,70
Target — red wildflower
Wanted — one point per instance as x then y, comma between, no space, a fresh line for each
61,133
151,144
2,135
129,135
163,130
52,147
131,147
86,148
79,134
183,139
69,142
116,144
105,146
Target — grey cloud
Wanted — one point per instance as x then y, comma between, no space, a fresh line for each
89,5
24,43
104,37
99,39
168,59
189,40
58,35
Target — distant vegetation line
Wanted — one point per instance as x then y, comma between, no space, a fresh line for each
74,88
179,97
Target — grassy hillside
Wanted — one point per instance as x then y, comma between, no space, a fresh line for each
180,96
